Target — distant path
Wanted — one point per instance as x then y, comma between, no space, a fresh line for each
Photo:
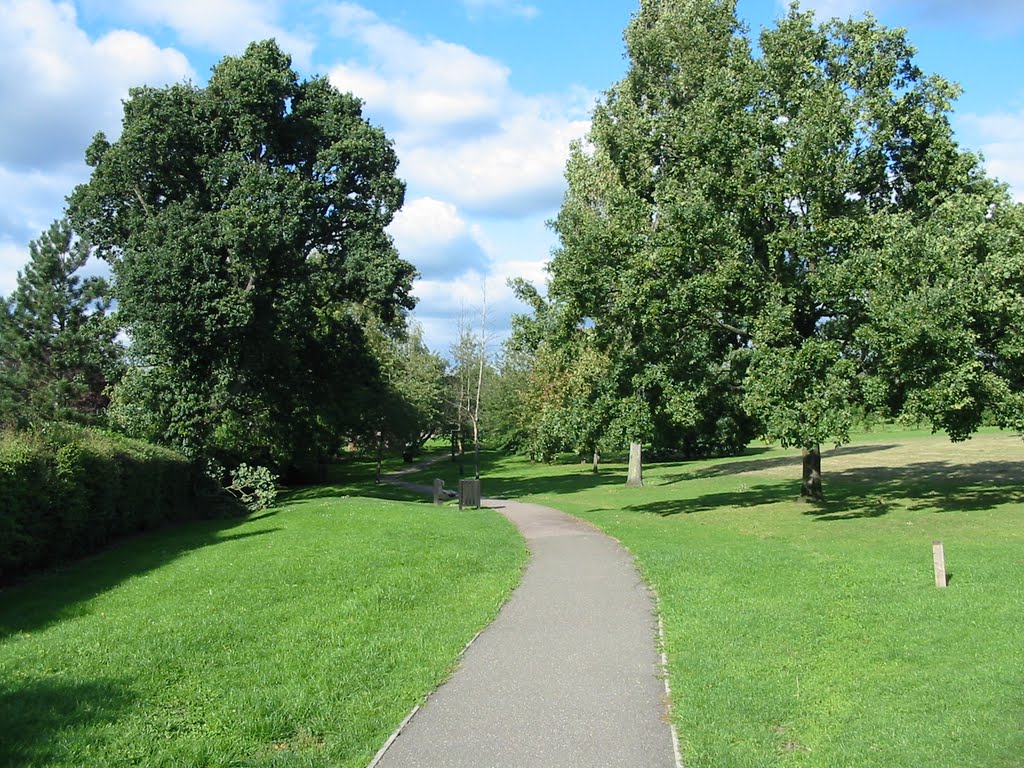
567,675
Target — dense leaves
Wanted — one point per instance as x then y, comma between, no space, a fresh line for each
57,347
245,225
789,239
69,491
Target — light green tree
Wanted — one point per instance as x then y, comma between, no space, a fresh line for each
737,221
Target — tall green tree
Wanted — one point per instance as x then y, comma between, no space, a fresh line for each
625,268
57,342
245,223
861,148
736,221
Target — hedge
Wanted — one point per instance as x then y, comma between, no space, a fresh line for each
67,491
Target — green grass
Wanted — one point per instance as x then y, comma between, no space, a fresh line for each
298,637
802,635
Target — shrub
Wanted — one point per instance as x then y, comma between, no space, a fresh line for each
255,487
66,491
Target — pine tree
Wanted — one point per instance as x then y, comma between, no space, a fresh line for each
57,341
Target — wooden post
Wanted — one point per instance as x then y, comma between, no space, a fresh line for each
438,490
939,557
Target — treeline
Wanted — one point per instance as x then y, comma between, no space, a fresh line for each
257,311
775,236
255,324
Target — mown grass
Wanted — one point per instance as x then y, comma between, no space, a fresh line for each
802,635
298,637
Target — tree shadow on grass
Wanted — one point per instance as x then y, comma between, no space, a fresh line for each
871,492
35,715
754,496
64,593
937,486
513,487
735,466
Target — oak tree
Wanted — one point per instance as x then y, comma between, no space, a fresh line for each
245,224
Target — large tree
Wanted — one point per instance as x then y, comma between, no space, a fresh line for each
624,270
245,223
737,220
57,342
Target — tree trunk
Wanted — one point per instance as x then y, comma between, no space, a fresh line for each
476,450
380,454
597,460
635,478
810,488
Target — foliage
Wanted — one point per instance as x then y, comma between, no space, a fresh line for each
68,491
255,487
245,224
57,347
407,407
763,237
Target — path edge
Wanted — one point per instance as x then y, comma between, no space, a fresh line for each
408,718
393,479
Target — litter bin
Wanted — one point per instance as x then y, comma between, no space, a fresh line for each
469,493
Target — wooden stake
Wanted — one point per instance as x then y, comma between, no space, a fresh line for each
939,556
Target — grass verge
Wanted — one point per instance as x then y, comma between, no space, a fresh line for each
300,637
803,635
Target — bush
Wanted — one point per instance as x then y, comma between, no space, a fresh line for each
66,491
255,487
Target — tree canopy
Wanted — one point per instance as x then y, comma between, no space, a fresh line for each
786,236
245,224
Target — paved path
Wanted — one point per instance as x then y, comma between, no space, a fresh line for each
567,675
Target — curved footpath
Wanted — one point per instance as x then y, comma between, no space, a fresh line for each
567,675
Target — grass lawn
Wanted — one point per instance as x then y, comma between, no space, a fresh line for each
803,635
298,637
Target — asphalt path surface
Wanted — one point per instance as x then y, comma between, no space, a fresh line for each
567,675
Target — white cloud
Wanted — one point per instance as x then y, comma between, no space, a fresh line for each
432,235
31,200
515,172
429,88
444,302
1000,137
64,86
222,25
462,132
13,258
506,7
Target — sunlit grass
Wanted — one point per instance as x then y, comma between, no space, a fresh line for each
814,635
299,637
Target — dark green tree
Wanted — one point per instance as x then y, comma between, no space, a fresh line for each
57,343
407,404
245,223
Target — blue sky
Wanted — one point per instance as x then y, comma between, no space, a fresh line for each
481,98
